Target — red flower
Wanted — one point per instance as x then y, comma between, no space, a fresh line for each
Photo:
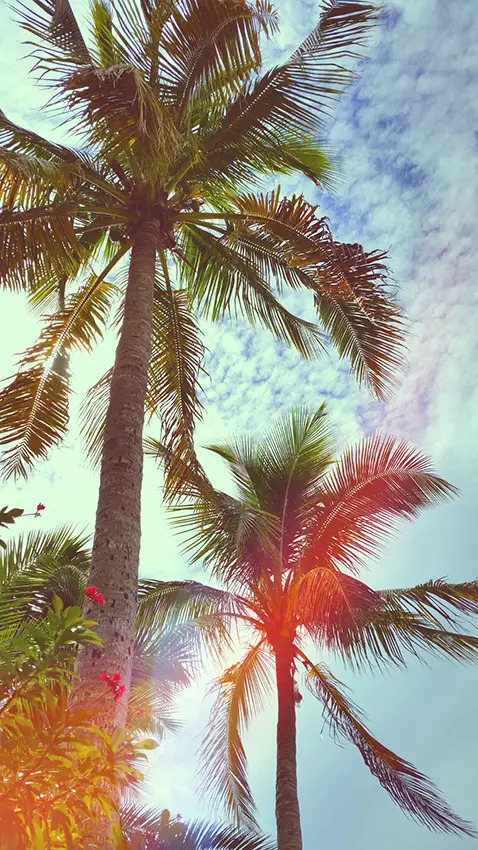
104,677
40,507
119,691
90,591
99,598
116,677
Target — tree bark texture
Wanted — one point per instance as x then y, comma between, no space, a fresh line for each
289,836
116,547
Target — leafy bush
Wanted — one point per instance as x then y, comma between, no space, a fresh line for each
56,770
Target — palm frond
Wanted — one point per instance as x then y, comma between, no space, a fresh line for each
173,378
208,39
436,601
118,112
40,241
223,281
169,604
93,410
235,540
373,485
350,285
59,46
175,834
34,406
363,633
292,98
241,692
411,790
35,566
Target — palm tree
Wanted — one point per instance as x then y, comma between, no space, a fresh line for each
178,124
287,548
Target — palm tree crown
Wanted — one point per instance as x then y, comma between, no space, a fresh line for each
288,547
177,123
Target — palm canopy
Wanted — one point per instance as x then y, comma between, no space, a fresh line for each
177,120
288,547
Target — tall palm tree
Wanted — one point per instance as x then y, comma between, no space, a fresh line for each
288,547
177,123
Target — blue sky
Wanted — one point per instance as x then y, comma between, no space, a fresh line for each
408,134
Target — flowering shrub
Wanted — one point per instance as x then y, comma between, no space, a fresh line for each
56,769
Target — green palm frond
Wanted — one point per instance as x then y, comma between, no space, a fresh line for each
35,566
411,790
242,691
372,340
175,365
40,240
234,540
373,485
93,410
34,406
59,46
209,39
171,603
350,285
222,281
292,98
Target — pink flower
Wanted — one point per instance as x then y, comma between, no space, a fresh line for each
40,507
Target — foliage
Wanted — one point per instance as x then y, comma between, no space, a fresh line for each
179,122
287,547
8,517
56,769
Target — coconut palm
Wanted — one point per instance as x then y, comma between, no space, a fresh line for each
288,547
177,123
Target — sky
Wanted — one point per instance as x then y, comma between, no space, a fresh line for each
407,132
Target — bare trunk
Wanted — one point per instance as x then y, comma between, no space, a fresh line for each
289,836
115,557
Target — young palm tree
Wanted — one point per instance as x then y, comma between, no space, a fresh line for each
287,548
178,123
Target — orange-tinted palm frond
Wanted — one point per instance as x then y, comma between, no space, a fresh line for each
372,486
208,38
175,365
242,691
34,406
327,602
293,98
59,46
411,790
436,601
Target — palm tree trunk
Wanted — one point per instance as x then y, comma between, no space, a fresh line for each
116,547
289,836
